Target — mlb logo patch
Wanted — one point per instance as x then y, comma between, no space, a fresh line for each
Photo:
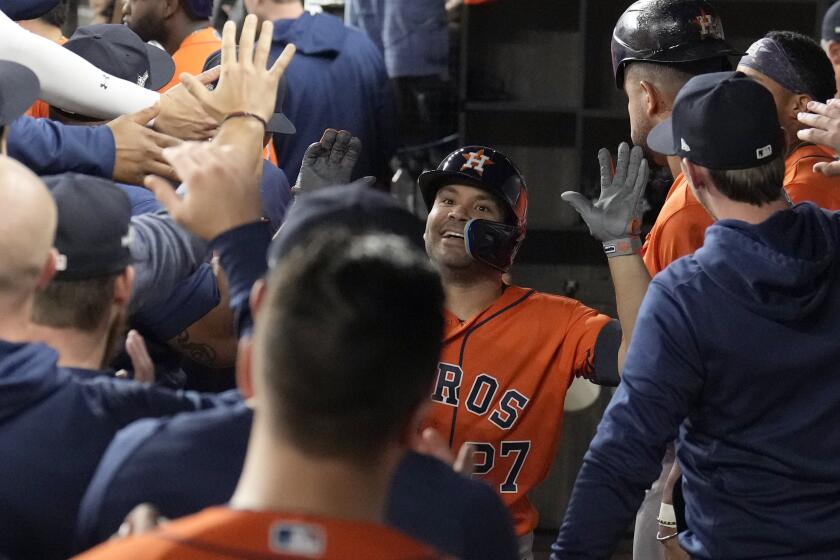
302,539
764,152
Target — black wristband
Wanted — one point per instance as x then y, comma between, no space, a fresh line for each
246,114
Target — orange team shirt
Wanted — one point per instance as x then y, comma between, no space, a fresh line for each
679,228
501,384
192,54
802,184
220,532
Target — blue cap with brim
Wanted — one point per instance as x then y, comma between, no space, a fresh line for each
356,208
721,121
19,88
278,123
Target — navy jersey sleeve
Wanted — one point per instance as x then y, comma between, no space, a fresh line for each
98,509
243,255
164,255
661,380
50,148
190,300
434,504
26,9
124,401
276,194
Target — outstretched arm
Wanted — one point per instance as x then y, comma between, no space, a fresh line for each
67,80
615,220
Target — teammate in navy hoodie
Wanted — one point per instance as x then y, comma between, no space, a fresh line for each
735,354
54,425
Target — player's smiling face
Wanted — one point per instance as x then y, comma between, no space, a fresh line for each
454,206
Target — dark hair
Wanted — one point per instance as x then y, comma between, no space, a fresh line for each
74,304
755,185
810,61
676,74
57,16
349,338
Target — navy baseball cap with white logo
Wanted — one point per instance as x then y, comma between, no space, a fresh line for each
94,219
356,208
831,23
723,120
117,50
19,88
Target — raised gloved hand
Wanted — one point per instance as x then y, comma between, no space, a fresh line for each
328,162
616,217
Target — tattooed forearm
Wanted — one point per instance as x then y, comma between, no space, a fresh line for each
203,354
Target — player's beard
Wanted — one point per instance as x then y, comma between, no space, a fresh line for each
147,27
115,337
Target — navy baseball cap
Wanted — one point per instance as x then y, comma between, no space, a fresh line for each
26,9
723,120
19,88
278,123
356,208
831,23
199,8
120,52
93,234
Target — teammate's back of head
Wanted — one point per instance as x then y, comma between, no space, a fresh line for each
27,228
346,343
812,66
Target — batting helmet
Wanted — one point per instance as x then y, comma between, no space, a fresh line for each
492,243
668,31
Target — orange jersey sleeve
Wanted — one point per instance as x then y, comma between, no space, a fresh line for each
679,228
39,110
501,384
222,533
192,54
804,185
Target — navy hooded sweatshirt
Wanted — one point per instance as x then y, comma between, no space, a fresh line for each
337,79
738,348
54,428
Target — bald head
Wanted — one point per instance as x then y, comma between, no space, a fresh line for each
27,228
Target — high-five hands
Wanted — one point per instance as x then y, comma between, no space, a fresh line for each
824,120
245,84
329,162
617,213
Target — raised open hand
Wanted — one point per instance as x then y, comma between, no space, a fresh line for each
616,214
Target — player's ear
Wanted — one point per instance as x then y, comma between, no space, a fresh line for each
693,174
47,271
257,296
412,428
833,52
651,101
123,285
244,379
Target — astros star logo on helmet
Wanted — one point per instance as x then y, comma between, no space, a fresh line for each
477,161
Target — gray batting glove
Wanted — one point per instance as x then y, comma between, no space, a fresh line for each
329,162
617,214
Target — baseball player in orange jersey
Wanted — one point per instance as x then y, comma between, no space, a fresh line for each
509,353
796,70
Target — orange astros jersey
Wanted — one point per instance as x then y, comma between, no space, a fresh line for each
192,54
679,228
221,532
804,185
501,384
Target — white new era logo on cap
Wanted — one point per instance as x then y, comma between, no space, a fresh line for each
684,145
764,152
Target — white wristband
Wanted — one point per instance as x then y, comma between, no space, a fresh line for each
667,516
622,247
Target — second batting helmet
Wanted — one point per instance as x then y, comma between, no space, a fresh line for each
668,31
492,243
